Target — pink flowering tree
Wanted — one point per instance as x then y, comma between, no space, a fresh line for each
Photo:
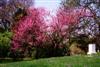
65,23
29,31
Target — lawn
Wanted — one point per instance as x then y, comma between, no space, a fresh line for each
67,61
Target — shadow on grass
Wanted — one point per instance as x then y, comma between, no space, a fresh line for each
10,60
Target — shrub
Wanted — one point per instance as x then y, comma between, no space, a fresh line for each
53,46
5,40
82,41
75,49
50,51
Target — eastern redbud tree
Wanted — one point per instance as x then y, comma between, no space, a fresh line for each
29,32
65,24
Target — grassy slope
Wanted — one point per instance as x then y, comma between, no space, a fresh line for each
72,61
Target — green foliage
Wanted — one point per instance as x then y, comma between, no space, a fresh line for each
5,40
98,53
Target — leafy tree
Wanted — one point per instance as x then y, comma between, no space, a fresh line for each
9,7
91,23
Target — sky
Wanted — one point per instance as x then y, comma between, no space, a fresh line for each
50,5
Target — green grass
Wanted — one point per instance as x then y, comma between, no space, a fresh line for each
67,61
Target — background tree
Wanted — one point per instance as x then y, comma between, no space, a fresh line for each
90,27
9,7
